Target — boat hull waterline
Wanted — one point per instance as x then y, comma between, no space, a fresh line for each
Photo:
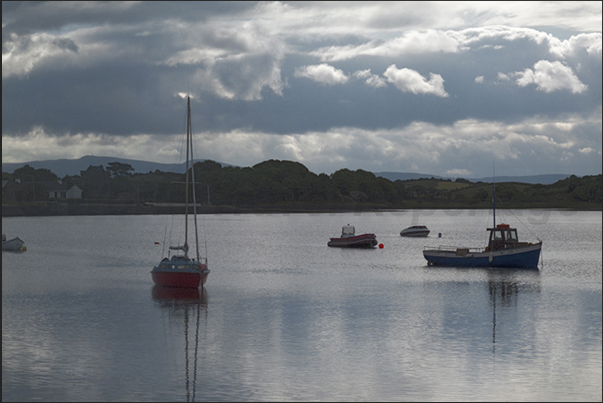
414,233
180,271
180,280
525,257
359,241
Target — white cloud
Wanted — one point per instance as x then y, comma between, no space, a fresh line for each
575,16
413,42
195,56
458,173
322,73
454,41
407,80
363,73
370,79
479,79
39,145
551,76
241,76
590,42
586,150
233,62
375,81
330,18
418,147
20,55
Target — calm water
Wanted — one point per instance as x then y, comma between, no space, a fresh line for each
284,317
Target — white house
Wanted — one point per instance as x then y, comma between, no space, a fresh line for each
64,191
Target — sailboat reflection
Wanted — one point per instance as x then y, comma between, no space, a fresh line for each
505,286
185,303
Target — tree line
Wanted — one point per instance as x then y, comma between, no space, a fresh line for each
287,184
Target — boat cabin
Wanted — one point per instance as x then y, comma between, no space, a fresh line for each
348,231
502,237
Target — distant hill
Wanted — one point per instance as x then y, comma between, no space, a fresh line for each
545,179
64,167
404,176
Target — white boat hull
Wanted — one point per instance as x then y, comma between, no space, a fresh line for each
15,244
416,231
415,234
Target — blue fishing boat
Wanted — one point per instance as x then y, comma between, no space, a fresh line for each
503,250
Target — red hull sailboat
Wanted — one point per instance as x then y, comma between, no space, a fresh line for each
191,275
180,270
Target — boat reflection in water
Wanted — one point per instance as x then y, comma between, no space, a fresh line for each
186,304
176,296
505,286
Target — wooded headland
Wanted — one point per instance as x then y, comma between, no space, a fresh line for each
273,186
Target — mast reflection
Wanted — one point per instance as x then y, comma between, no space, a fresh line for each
505,286
185,303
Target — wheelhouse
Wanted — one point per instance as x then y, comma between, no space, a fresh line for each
502,237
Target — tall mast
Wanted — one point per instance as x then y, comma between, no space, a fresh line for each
493,195
188,125
194,193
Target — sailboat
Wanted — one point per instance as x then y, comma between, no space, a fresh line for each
503,250
180,270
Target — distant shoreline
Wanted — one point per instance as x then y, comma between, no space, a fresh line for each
74,209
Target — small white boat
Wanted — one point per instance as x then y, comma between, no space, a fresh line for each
15,244
415,231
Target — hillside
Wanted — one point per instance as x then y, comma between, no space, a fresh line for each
275,185
545,179
63,167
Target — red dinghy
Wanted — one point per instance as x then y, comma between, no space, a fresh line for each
349,239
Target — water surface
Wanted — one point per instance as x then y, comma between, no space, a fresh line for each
283,317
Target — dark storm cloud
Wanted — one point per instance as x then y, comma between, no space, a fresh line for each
123,97
26,17
128,94
318,76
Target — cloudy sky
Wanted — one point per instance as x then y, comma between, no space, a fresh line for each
429,87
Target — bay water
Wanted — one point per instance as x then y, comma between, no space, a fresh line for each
283,317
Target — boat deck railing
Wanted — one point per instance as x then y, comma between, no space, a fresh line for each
449,248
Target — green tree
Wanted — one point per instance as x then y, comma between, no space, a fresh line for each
119,169
28,174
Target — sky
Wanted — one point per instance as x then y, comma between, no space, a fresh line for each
444,88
